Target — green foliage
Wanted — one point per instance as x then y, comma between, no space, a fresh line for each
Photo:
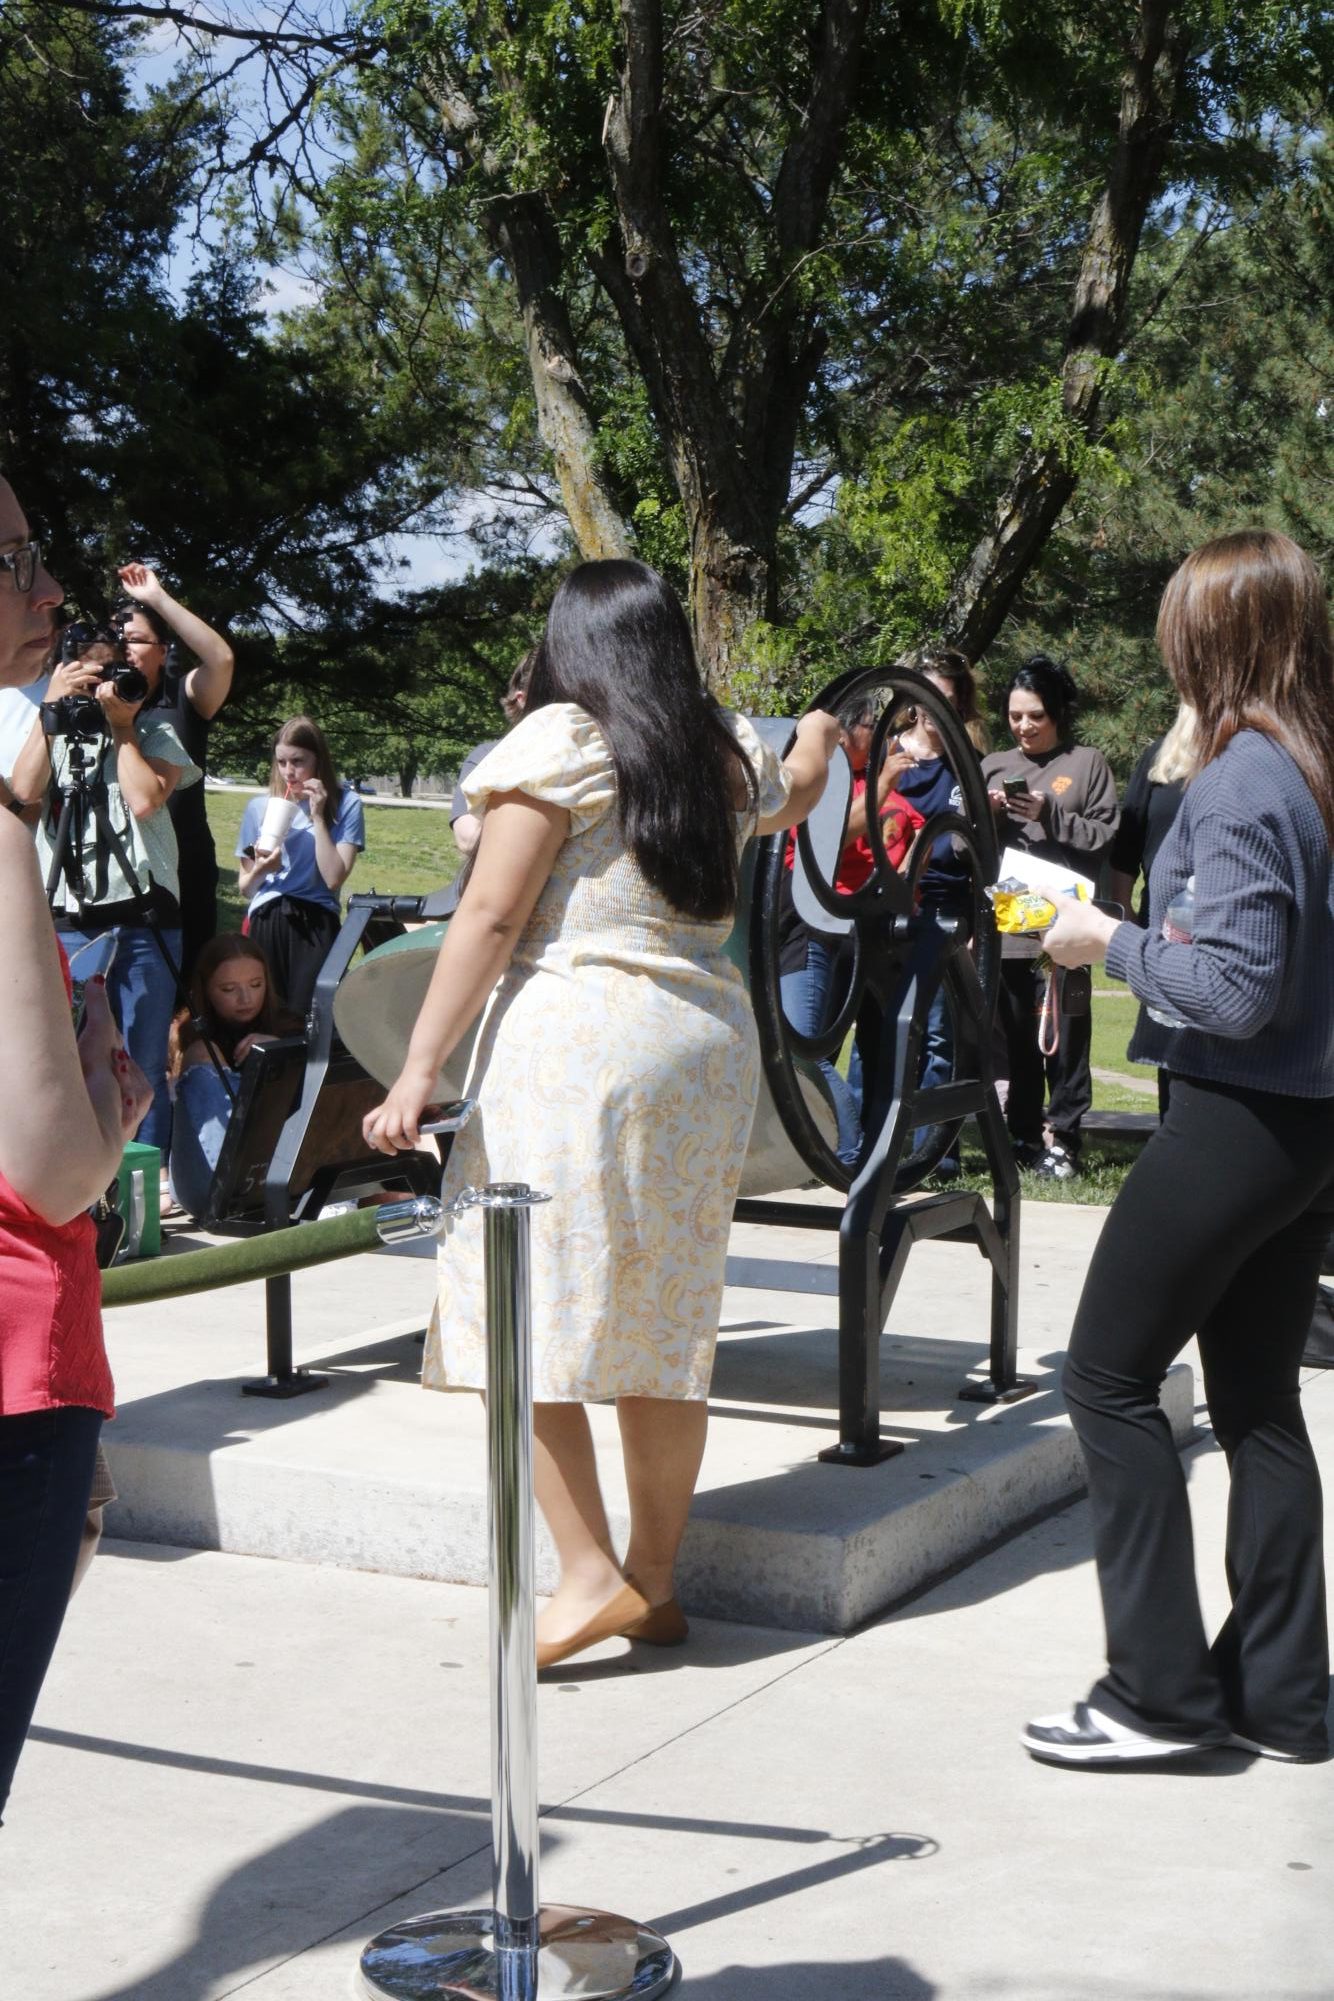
877,387
1226,421
418,681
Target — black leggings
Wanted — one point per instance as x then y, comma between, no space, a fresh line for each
297,938
46,1474
1064,1078
1218,1231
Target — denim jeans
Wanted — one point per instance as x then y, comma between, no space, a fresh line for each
198,1128
46,1475
938,1066
808,1000
143,999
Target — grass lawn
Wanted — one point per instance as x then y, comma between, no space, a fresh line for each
1106,1161
1114,1012
407,851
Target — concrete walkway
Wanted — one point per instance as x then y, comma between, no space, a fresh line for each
243,1769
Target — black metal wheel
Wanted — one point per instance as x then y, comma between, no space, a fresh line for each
875,925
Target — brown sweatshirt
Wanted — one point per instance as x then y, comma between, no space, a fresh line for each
1079,814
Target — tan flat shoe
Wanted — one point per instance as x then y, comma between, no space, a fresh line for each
664,1625
624,1608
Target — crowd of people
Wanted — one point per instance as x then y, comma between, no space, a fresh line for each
617,1068
104,753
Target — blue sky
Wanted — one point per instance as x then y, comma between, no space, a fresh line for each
429,559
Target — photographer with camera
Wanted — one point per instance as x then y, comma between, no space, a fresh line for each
63,1125
103,765
154,629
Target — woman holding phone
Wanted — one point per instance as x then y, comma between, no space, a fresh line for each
1219,1228
1056,799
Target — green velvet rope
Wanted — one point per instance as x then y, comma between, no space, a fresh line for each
263,1256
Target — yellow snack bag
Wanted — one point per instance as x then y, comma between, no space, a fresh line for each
1021,910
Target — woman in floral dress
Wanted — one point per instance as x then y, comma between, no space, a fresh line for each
617,1066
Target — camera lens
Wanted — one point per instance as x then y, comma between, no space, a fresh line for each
129,683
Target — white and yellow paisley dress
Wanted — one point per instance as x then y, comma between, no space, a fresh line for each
616,1070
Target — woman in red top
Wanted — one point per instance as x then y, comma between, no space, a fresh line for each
813,966
61,1137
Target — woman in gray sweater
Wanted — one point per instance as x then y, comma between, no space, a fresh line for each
1219,1227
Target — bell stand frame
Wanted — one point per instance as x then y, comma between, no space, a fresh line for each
902,957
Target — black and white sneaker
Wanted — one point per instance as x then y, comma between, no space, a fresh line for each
1084,1736
1237,1742
1056,1164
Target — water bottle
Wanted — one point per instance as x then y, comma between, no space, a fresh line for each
1178,928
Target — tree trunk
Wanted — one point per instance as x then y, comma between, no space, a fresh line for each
1044,481
730,424
526,238
731,585
524,235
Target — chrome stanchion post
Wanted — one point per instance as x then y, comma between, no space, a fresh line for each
519,1950
509,1448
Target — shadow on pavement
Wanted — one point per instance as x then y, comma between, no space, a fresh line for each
868,1852
818,1979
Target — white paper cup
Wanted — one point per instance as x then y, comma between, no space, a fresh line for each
278,817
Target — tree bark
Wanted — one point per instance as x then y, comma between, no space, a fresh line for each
1044,480
524,235
730,426
526,238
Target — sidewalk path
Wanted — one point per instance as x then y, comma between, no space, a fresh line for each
242,1769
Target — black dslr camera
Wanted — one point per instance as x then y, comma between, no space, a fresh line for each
101,646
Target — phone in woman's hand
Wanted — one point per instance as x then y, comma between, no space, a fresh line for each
445,1118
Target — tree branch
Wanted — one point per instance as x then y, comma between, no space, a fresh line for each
1044,479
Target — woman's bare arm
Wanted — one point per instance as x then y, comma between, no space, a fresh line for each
807,764
208,685
521,837
62,1131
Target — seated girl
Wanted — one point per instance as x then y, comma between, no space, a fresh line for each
233,1008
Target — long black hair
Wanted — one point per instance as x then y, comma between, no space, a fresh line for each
618,645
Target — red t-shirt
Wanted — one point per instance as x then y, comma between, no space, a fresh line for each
899,822
51,1348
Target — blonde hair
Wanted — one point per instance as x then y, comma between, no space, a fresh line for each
1176,760
948,664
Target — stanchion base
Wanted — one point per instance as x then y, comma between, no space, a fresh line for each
590,1954
847,1454
295,1385
982,1390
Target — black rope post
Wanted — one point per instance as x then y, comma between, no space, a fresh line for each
520,1949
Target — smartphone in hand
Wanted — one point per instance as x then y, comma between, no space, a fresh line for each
445,1118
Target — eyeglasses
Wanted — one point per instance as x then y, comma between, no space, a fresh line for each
22,565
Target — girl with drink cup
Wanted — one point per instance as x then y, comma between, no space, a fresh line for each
297,846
